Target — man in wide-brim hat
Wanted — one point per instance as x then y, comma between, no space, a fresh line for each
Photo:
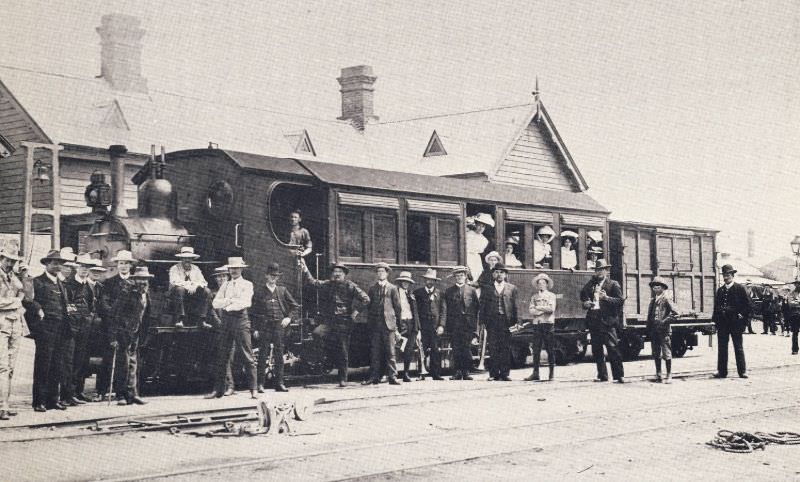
188,290
542,307
12,292
428,298
498,312
732,309
459,316
340,302
383,320
409,321
602,298
661,312
274,308
234,298
49,330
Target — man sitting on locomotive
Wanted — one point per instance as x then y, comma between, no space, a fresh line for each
234,298
188,289
340,302
127,328
273,309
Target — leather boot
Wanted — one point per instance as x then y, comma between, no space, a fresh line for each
533,376
406,378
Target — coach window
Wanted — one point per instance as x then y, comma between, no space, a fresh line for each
514,245
533,233
582,241
432,231
367,228
594,247
569,247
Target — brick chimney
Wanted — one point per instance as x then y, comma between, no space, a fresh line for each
121,52
357,88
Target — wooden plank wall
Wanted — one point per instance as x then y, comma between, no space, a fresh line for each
534,161
75,175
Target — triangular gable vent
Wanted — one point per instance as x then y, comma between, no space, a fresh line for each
112,116
301,142
435,147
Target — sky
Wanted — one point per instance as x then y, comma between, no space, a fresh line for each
676,112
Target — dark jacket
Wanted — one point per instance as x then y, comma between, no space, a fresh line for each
732,308
50,298
460,314
289,307
489,300
410,328
338,298
428,308
384,307
80,304
660,313
110,293
129,315
609,314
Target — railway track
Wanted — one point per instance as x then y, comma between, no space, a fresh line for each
511,435
95,427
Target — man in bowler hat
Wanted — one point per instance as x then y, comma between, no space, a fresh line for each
732,309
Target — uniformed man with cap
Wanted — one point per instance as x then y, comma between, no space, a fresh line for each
49,330
602,299
188,289
459,317
340,302
429,299
731,311
274,309
383,318
791,310
11,325
498,311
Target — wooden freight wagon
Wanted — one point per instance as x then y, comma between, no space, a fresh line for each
685,256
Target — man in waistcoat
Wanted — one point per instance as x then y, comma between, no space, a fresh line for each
732,309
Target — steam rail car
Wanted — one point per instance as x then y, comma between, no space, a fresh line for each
226,203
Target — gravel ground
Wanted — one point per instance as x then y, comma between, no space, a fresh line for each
480,430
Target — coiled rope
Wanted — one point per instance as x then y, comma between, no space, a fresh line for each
746,442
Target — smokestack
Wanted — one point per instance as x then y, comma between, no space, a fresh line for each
357,93
116,152
121,52
751,243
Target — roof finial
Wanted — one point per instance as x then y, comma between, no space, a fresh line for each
536,97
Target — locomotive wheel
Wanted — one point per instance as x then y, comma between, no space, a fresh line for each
266,415
302,410
679,346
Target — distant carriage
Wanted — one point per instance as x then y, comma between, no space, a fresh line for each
226,203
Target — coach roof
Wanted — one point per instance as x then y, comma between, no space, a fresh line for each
399,182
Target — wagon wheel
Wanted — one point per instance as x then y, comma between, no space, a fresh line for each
266,415
302,410
679,346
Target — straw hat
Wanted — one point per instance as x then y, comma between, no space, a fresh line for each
141,272
221,270
460,269
85,259
4,253
569,234
543,276
187,252
405,276
658,280
123,255
430,274
485,219
236,262
384,266
493,253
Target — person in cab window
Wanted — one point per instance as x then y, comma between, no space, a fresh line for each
542,250
477,243
569,258
511,260
299,237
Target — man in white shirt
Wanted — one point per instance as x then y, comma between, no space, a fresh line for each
188,289
234,298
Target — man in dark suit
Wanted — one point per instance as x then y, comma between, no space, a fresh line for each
459,316
127,329
428,299
80,307
273,309
49,330
383,318
732,309
498,311
340,300
602,298
99,332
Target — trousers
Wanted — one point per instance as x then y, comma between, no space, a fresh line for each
10,336
382,342
499,344
235,338
335,337
126,381
723,334
430,345
273,336
47,370
462,356
607,338
544,338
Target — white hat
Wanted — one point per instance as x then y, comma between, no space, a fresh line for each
492,254
123,255
85,259
485,219
236,262
546,231
569,234
187,252
4,253
69,256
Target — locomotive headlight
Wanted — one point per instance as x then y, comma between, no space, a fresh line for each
98,193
